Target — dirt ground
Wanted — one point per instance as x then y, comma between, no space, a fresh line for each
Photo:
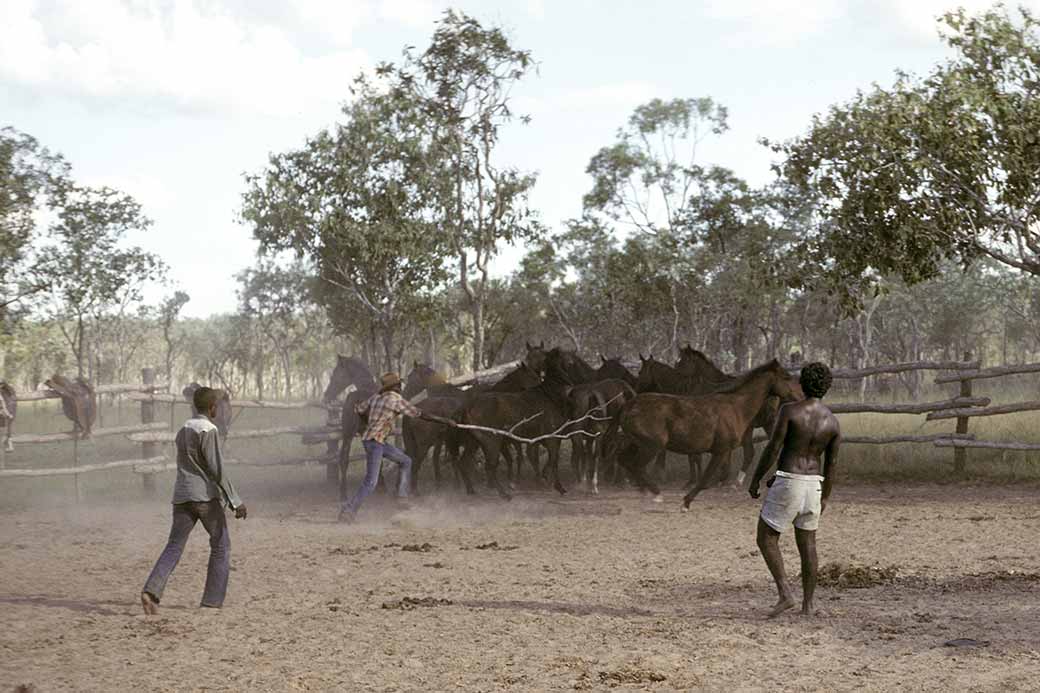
542,593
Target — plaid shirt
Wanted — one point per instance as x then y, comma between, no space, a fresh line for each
382,408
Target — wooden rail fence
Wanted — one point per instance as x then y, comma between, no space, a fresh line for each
152,434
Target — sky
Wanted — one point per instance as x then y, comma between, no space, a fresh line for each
173,101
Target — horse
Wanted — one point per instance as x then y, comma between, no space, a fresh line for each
533,412
705,378
8,412
604,399
223,418
613,369
715,423
349,373
535,356
78,402
655,376
420,435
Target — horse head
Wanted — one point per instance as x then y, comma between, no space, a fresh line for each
348,371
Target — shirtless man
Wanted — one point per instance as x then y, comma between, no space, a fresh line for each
798,494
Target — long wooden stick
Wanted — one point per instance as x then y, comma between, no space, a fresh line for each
557,434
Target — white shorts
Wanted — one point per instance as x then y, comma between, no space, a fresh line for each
793,498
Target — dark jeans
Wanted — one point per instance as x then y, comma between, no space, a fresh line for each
374,454
185,515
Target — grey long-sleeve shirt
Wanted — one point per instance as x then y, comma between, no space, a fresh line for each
198,448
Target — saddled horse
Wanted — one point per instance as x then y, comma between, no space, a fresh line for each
78,402
714,423
224,415
533,412
8,412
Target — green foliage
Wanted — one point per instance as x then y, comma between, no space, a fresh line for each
28,172
937,168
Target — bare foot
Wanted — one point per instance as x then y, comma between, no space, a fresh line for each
148,603
781,606
658,498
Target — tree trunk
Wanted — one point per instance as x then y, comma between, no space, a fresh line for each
477,313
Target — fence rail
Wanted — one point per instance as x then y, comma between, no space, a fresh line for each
151,434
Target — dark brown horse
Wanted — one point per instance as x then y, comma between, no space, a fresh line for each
421,436
224,414
353,375
603,399
534,411
705,377
535,356
714,423
614,369
8,412
78,402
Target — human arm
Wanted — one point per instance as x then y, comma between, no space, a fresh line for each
771,453
213,460
830,460
361,408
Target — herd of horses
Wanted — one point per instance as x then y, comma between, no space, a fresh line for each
614,421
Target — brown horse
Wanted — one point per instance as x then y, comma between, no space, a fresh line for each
8,412
78,402
605,398
705,377
419,435
613,369
224,414
714,423
533,412
349,374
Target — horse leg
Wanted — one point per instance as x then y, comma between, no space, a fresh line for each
661,467
749,457
8,444
694,460
464,466
553,448
438,448
507,453
492,448
719,460
344,463
634,459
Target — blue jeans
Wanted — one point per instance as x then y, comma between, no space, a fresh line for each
374,454
185,515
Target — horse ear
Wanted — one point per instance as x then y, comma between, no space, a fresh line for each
601,358
527,344
541,345
415,363
641,357
341,357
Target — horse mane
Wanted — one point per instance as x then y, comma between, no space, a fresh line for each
741,380
703,361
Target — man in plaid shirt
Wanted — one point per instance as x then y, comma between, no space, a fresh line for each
382,408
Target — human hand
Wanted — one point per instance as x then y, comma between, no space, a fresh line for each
753,489
240,512
823,505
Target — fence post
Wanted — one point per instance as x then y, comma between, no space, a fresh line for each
960,455
148,450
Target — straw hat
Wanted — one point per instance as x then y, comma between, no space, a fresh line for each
389,380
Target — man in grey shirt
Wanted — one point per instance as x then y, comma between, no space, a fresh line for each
199,494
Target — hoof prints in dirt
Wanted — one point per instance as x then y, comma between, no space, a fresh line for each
409,603
855,576
618,677
415,548
493,546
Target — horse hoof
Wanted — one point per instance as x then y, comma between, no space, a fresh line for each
658,498
684,508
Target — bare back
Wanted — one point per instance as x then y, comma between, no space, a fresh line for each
809,431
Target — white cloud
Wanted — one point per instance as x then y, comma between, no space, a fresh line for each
183,54
775,22
919,18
